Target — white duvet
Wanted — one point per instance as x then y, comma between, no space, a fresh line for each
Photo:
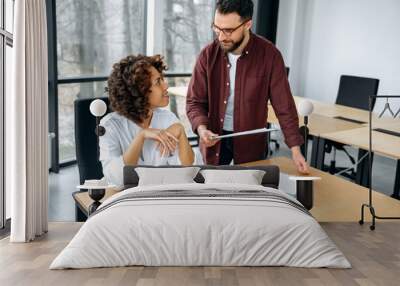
200,231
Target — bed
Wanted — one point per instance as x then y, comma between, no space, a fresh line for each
201,224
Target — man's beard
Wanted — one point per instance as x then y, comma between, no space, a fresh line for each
234,46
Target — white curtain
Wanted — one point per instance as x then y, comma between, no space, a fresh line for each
27,123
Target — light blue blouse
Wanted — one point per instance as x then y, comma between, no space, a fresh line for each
119,134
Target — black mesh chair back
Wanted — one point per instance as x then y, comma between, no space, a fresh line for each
86,141
354,91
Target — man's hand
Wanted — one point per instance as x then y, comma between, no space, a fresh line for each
299,160
206,136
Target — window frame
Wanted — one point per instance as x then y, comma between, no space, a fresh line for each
6,39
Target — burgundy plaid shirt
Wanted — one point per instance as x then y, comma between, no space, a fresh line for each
260,76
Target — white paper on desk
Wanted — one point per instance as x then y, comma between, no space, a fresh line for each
254,131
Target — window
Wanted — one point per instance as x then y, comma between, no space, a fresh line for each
6,42
185,31
93,34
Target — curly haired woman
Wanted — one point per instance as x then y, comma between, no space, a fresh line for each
139,131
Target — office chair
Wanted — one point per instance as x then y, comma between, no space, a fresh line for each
275,141
86,141
354,92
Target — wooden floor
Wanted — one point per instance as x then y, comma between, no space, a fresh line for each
374,255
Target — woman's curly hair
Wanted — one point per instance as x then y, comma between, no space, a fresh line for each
129,85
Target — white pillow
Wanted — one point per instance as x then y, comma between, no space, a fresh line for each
248,177
163,176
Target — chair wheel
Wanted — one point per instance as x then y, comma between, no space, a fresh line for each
361,222
372,227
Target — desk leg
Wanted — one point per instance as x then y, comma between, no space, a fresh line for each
268,150
396,189
362,173
305,193
320,154
79,214
314,151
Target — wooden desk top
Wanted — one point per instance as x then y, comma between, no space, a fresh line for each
393,126
383,144
334,110
336,199
319,124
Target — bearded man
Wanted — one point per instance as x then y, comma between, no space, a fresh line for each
234,78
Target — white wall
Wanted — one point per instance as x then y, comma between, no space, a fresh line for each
322,39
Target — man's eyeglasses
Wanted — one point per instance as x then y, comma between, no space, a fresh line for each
227,31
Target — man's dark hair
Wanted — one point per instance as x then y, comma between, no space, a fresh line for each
243,7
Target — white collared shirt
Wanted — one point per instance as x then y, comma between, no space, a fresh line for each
119,134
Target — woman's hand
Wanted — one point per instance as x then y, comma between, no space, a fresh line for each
186,154
176,130
166,141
